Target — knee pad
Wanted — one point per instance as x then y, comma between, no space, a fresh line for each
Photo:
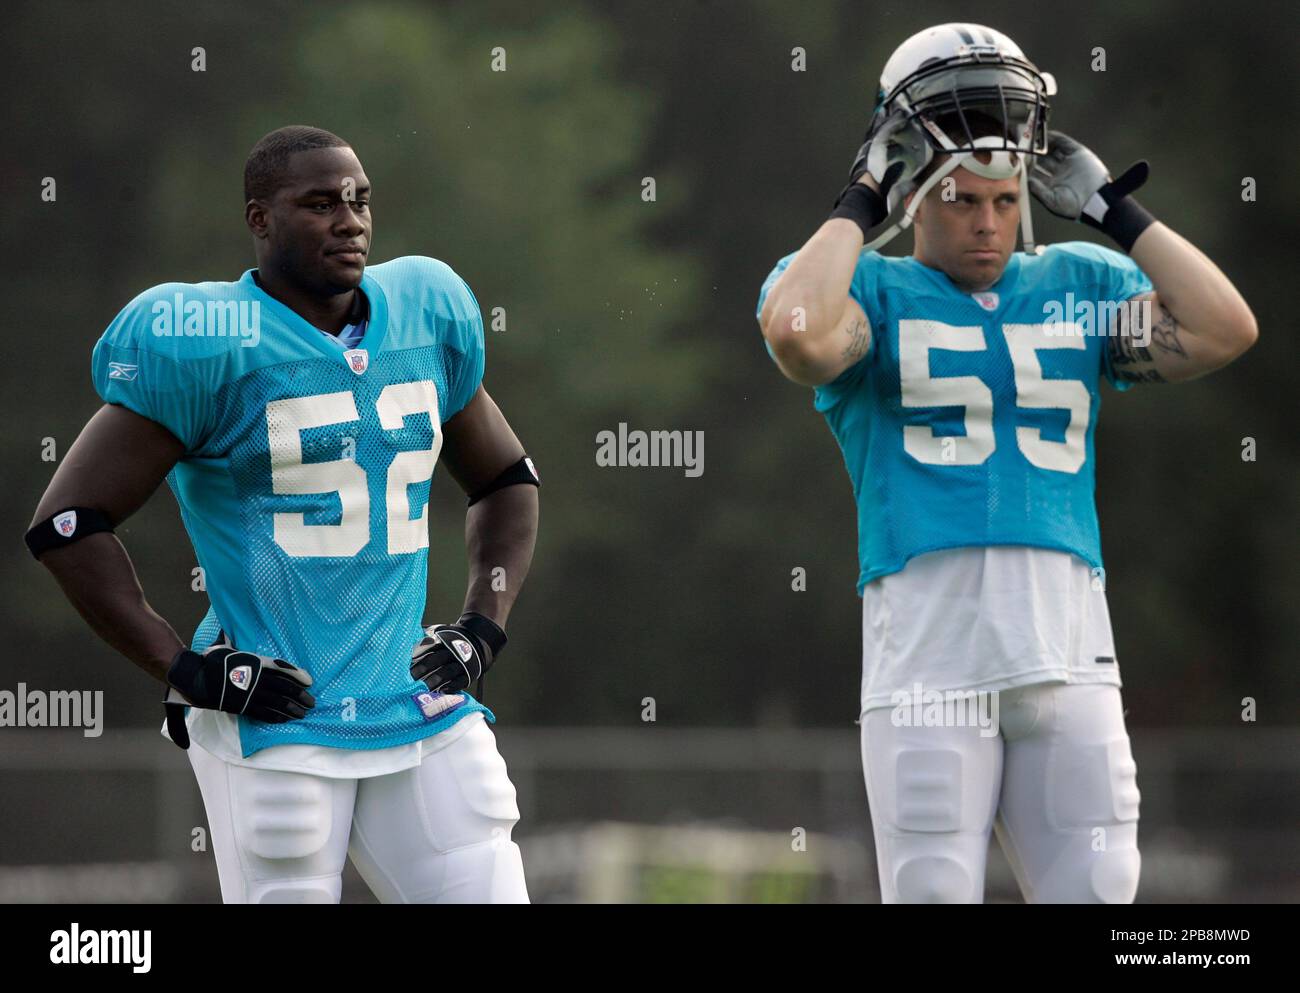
1086,874
285,821
1114,875
1096,795
322,889
931,803
491,871
934,879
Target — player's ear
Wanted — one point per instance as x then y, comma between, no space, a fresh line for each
257,217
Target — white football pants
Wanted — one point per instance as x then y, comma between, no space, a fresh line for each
437,833
1057,783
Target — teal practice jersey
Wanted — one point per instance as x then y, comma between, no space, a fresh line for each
305,481
970,420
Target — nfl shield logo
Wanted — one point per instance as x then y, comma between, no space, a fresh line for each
241,675
358,360
66,523
989,301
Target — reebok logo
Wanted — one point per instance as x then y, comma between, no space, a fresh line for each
435,705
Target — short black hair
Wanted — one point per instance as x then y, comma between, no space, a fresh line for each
265,168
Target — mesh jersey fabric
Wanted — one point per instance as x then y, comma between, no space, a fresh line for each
970,420
305,481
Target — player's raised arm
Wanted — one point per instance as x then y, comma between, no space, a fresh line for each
814,328
1199,321
486,458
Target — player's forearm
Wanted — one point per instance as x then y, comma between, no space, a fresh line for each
1196,292
500,532
808,301
98,578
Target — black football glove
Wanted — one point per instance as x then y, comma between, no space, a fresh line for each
893,154
451,656
224,678
1072,182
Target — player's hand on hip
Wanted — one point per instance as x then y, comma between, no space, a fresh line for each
452,656
224,678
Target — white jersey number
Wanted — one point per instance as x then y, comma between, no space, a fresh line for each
920,389
285,422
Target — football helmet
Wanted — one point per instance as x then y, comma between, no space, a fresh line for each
964,89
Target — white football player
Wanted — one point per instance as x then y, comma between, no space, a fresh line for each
962,384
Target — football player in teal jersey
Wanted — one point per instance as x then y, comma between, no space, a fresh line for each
962,385
297,414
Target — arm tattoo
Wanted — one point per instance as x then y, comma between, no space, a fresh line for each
1164,333
1124,352
859,338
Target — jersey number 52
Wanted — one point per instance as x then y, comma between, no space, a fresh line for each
285,422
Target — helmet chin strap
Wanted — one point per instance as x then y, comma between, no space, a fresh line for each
1026,225
1001,165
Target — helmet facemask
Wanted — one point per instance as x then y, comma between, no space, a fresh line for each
977,101
961,101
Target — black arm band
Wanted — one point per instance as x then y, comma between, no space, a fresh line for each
65,527
522,471
862,205
1125,220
